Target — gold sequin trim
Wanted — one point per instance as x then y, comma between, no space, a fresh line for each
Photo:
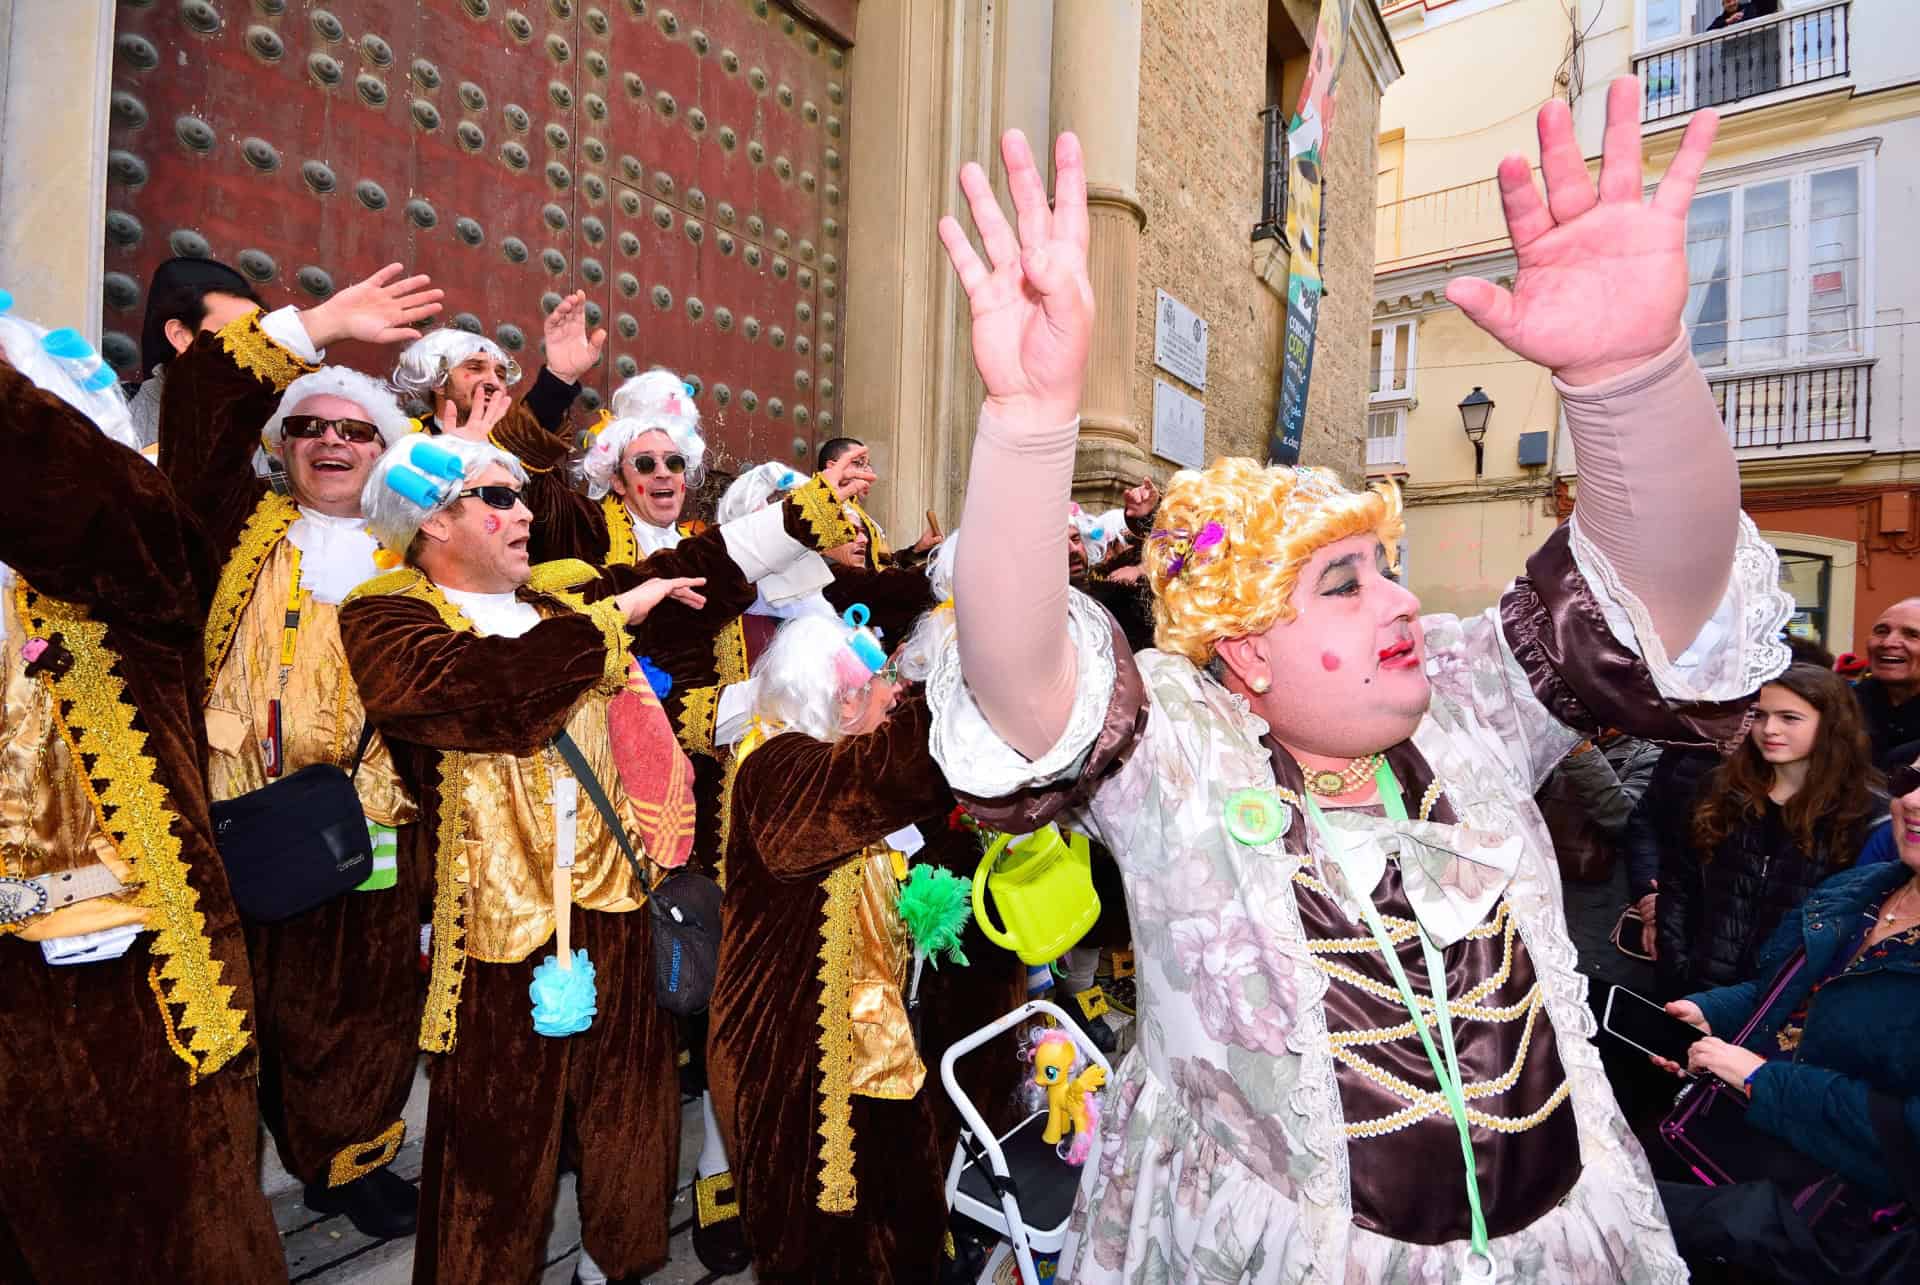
96,720
259,354
363,1158
563,573
411,582
622,549
613,629
838,1191
699,712
1427,800
265,527
823,512
730,653
708,1206
439,1017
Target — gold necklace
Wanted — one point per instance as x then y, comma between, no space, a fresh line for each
1887,916
1329,784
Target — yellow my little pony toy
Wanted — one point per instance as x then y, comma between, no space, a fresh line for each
1070,1097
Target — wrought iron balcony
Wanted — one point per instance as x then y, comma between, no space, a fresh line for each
1273,178
1746,60
1806,406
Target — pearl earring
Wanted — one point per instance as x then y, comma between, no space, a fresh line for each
1260,685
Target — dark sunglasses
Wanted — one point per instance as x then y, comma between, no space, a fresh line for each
496,496
1903,781
643,463
357,431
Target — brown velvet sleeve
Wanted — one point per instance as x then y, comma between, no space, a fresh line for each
103,527
566,524
806,804
220,393
1027,810
1586,677
895,595
424,682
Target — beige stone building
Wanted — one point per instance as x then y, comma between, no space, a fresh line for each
748,193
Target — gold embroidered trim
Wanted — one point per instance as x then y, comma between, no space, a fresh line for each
259,354
439,1017
265,527
411,582
699,712
879,552
622,549
363,1158
96,720
1427,800
823,512
708,1207
613,629
838,1191
730,653
563,573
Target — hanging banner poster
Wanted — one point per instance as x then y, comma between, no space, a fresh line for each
1306,141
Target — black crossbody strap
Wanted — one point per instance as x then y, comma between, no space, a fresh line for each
360,751
583,772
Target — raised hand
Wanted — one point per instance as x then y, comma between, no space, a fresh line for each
643,598
1603,276
383,309
1033,309
571,352
1140,501
489,408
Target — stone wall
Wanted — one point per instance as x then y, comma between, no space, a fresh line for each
1203,80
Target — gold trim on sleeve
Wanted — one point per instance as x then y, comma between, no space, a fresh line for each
699,711
839,1192
563,573
730,653
439,1017
260,354
823,512
622,549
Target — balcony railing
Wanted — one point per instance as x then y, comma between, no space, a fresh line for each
1452,222
1803,407
1746,60
1273,177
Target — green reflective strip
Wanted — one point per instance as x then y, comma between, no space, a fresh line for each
386,859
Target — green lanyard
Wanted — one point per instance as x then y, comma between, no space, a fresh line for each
1447,1072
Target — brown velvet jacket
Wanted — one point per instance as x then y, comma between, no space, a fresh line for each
127,573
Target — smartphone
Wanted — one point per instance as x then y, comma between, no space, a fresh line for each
1647,1026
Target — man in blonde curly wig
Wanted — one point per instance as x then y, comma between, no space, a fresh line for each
1307,760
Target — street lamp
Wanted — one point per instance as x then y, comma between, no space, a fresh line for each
1476,408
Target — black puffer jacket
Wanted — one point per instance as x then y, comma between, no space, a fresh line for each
1714,916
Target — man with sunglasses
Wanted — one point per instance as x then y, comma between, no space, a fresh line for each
472,659
849,466
335,986
465,377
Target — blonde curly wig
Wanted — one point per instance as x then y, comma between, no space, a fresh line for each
1228,544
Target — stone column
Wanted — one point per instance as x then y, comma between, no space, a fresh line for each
1096,94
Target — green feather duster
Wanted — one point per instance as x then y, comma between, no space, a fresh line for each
935,904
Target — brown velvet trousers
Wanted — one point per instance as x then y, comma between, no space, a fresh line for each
337,1014
116,1168
507,1103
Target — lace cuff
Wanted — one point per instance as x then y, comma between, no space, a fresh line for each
1736,651
977,761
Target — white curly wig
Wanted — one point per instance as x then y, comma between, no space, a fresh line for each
425,363
393,518
807,669
750,491
364,391
97,397
658,399
935,631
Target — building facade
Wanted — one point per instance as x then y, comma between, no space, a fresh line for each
1802,306
747,190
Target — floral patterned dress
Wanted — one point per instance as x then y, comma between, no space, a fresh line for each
1241,1141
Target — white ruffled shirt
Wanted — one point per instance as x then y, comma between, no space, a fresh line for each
496,615
336,553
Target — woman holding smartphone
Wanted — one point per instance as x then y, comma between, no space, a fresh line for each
1796,802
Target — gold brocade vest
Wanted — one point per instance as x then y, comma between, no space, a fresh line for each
320,713
885,1062
47,821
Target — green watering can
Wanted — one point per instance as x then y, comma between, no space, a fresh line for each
1043,889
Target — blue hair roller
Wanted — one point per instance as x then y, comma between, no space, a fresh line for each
788,480
415,486
71,349
1097,534
437,461
862,643
6,301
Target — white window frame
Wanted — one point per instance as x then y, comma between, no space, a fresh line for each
1399,462
1799,170
1391,333
1690,11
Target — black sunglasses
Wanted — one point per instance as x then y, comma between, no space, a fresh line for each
643,463
496,496
357,431
1903,780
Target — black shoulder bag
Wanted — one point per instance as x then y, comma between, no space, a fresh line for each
298,843
684,907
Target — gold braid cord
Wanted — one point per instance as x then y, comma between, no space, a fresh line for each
96,720
622,549
256,352
823,512
449,968
838,1191
264,530
699,710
